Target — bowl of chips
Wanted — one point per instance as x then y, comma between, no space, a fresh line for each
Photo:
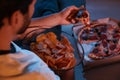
59,54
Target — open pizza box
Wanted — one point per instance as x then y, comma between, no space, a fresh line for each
87,62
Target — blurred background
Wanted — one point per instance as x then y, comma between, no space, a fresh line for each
103,8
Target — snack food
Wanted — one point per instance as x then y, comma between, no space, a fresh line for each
106,39
57,54
82,15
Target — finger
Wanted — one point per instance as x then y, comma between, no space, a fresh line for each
73,21
82,7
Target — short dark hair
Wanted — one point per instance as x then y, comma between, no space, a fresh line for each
8,7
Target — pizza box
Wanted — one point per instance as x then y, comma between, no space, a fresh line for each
87,62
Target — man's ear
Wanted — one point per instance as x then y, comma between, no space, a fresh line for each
16,20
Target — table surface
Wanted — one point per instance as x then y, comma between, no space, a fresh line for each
78,70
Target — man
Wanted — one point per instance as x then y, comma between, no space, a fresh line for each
17,63
47,7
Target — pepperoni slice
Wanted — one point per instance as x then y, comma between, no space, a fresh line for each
116,36
85,37
96,50
86,31
112,47
94,37
103,36
104,43
117,30
103,29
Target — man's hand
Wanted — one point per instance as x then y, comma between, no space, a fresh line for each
65,13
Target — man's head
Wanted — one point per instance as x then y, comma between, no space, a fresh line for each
16,13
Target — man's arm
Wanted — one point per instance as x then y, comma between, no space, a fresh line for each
49,21
54,19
